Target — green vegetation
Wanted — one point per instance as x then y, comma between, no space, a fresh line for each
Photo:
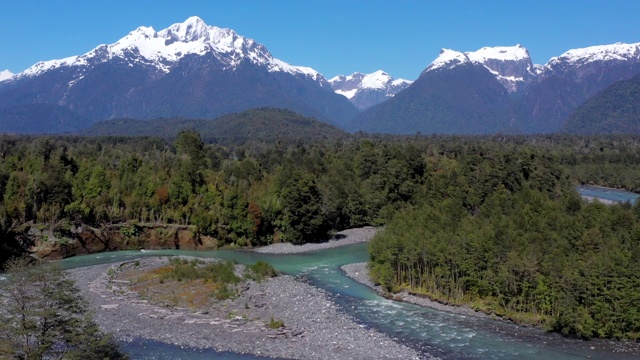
240,195
221,274
275,323
493,221
260,270
504,230
43,317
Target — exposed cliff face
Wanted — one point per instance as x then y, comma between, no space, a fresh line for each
84,239
510,65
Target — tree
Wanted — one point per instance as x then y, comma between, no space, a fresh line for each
303,210
43,317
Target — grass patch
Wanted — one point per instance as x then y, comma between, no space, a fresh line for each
275,323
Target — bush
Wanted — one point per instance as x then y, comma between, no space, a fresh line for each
260,270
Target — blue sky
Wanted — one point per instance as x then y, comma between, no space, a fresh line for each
334,37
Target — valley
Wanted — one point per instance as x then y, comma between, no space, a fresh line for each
181,192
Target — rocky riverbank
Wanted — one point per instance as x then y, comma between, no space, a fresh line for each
345,237
360,273
313,326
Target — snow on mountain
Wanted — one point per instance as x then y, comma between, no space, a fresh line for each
448,59
5,75
511,65
513,68
365,90
504,53
163,49
618,52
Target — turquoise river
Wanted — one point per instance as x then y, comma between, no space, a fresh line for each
437,333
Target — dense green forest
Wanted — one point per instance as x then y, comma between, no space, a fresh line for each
504,230
494,221
241,195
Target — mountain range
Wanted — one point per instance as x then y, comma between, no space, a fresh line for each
193,70
499,89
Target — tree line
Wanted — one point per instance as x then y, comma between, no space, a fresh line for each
244,195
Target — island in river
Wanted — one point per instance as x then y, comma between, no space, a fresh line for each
313,327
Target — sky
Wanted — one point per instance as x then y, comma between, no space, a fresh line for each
334,37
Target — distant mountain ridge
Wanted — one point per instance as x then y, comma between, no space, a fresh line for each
189,69
366,90
264,124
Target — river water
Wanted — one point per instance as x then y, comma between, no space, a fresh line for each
607,193
443,334
433,332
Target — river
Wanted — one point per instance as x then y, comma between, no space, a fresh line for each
610,194
446,335
443,334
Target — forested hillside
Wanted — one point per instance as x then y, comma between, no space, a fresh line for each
263,124
614,110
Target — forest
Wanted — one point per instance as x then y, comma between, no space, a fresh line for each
494,221
506,232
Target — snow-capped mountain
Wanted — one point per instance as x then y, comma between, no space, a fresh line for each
366,90
585,61
457,92
511,65
189,69
164,49
5,75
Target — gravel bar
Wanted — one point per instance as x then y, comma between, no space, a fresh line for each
345,237
314,327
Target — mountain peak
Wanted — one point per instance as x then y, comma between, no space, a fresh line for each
163,49
376,80
5,75
511,65
192,29
448,59
504,53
